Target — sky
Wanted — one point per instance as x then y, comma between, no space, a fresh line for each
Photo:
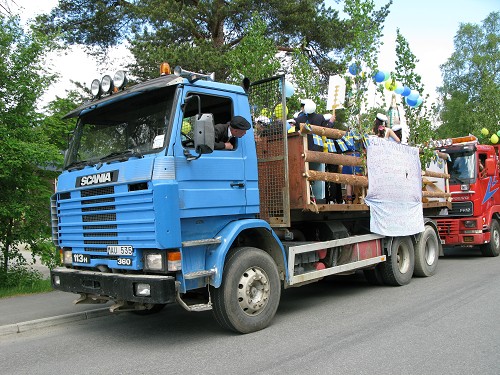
429,26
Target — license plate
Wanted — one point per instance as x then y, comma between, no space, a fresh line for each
120,250
124,261
81,258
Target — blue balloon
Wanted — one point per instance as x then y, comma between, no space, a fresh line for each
379,76
399,89
411,103
353,69
289,89
406,91
413,95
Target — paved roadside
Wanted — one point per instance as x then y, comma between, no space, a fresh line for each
23,313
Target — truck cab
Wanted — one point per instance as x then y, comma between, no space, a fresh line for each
474,182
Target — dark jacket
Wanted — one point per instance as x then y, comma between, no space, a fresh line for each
221,136
313,119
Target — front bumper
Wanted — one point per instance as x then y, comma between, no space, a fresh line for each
115,286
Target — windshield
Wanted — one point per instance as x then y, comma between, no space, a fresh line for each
117,130
461,167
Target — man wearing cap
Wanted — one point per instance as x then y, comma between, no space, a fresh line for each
226,134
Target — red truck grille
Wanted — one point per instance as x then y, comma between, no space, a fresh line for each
448,227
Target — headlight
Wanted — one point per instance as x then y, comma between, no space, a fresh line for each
120,79
107,84
470,223
154,262
95,88
67,257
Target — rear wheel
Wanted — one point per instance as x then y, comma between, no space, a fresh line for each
398,268
492,249
249,295
427,253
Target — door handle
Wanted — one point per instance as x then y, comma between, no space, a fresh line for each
237,184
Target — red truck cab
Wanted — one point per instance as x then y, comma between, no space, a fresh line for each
474,186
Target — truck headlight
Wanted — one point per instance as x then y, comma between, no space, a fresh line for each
154,262
67,257
470,223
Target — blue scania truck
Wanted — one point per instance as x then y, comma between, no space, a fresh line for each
147,213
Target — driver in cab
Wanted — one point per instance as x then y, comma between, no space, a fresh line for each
226,134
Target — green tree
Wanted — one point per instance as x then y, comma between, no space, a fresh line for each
26,153
198,35
471,80
366,31
418,118
254,57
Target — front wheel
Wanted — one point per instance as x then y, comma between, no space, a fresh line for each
492,249
398,269
427,253
249,295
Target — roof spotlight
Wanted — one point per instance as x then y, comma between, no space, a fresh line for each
107,84
95,88
120,79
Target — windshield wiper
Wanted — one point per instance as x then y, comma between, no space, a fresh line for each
77,165
122,155
459,179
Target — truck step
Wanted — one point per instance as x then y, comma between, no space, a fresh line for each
198,274
199,307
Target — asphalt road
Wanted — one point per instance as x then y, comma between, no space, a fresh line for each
445,324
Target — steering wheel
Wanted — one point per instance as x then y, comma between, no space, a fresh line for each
187,141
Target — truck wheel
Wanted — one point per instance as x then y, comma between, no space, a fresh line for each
249,295
397,270
492,249
427,253
373,276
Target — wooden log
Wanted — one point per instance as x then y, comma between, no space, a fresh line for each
348,179
321,130
435,174
435,194
335,159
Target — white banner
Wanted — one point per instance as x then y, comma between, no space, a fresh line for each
336,93
395,188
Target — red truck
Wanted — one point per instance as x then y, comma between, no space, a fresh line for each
473,220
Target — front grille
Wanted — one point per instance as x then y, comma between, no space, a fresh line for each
90,220
98,217
448,227
100,208
100,242
97,191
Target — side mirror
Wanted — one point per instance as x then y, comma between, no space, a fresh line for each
203,136
204,133
491,167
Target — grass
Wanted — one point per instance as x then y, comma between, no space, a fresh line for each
36,286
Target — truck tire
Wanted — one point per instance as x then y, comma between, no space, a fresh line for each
250,292
373,276
492,249
427,253
397,270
